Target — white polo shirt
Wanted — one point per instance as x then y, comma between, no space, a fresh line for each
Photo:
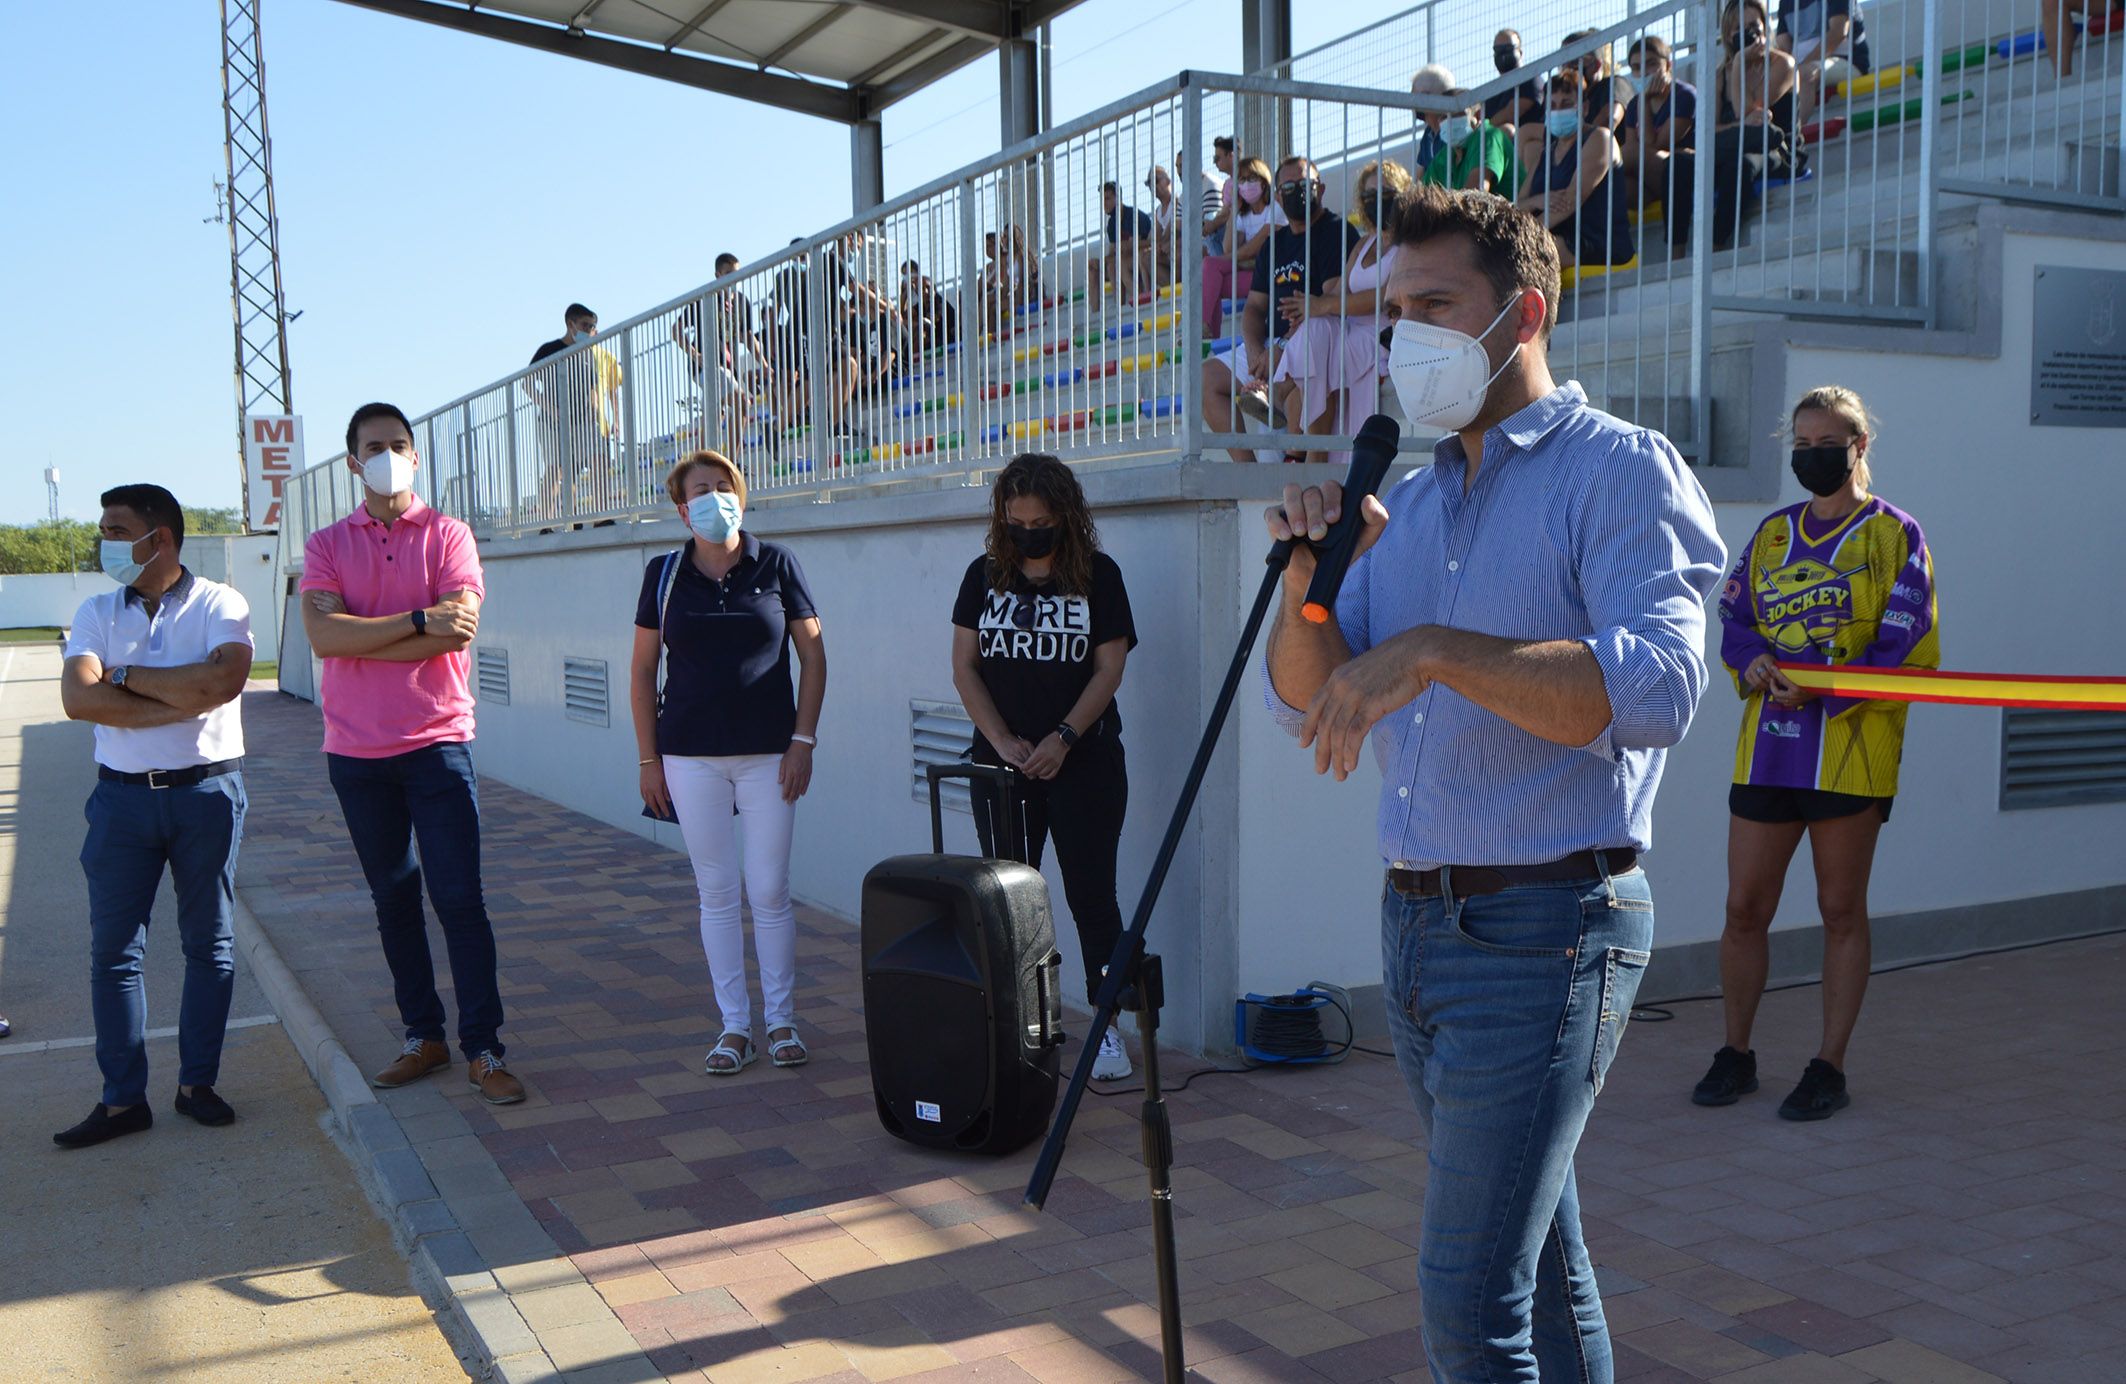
194,618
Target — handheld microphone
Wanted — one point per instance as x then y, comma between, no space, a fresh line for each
1371,456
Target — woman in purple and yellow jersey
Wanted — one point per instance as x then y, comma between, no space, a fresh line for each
1841,579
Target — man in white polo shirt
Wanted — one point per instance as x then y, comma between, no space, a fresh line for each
157,665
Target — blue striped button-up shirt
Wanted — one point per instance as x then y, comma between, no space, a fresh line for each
1580,526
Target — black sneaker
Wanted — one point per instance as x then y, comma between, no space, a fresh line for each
206,1107
1820,1095
100,1126
1733,1076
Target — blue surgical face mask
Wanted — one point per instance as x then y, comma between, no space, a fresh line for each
115,556
1561,123
714,517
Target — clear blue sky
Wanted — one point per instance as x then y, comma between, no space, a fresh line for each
441,198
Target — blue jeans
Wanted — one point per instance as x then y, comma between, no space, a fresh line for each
1506,1010
134,832
427,795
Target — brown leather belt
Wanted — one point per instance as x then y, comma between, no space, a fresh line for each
1492,879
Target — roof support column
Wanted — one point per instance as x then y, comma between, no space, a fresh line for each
1265,124
1019,191
867,166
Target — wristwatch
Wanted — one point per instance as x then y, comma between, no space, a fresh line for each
1070,737
118,674
420,622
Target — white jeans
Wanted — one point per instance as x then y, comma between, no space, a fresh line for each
703,791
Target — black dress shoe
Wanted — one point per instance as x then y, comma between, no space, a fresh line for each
99,1126
206,1107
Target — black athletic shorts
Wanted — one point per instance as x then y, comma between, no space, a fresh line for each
1754,802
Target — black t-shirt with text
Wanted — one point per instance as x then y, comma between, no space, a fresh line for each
1036,644
1301,262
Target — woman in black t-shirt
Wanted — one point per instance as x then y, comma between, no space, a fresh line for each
1042,629
725,736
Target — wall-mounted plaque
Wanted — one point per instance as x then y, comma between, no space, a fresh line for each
2078,348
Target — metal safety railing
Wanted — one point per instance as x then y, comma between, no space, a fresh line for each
1092,291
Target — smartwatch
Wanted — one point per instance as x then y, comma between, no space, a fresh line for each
420,622
1070,737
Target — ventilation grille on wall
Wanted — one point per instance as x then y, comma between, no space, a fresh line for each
941,734
2054,758
492,667
583,691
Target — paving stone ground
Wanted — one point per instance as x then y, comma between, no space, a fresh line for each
1961,1222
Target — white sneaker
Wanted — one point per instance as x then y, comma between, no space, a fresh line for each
1113,1062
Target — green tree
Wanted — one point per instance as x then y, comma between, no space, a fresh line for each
213,521
65,545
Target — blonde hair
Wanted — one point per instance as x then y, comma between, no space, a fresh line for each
1393,180
675,480
1844,405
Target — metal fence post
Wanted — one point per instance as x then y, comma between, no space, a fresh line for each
1930,86
627,414
710,307
972,318
821,437
470,468
509,414
1189,210
1705,42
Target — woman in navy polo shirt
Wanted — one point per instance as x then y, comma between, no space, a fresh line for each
727,732
1041,630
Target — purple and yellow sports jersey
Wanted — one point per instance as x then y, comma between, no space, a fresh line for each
1861,594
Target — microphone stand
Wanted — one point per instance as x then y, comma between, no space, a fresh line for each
1135,976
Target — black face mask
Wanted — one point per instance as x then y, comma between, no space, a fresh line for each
1506,59
1298,203
1732,44
1032,544
1823,470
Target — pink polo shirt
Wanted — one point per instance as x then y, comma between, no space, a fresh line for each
374,707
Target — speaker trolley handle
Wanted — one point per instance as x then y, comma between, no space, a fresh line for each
1003,776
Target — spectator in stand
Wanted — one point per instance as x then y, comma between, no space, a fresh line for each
1762,107
1523,105
738,349
1217,215
1475,155
931,319
1230,271
1572,187
2056,22
1603,94
793,303
1329,376
874,329
1010,280
1128,260
1660,129
1433,79
1166,226
1304,253
1829,34
1027,266
579,407
1842,579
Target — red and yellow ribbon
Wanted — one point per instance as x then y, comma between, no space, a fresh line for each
1963,689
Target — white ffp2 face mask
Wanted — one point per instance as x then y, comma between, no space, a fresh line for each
1439,373
389,472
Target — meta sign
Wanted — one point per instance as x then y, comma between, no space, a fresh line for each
273,452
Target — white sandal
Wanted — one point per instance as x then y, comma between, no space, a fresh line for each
742,1056
778,1047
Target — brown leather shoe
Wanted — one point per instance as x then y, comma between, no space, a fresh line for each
493,1081
420,1057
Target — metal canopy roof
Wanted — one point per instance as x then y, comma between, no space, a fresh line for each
843,60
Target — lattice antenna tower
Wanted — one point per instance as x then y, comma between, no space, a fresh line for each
259,309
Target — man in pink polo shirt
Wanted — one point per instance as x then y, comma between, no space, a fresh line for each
394,599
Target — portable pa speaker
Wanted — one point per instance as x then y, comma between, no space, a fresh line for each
962,1003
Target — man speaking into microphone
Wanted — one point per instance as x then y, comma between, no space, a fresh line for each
1521,633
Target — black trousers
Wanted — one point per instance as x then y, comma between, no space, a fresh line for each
1743,157
1082,807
